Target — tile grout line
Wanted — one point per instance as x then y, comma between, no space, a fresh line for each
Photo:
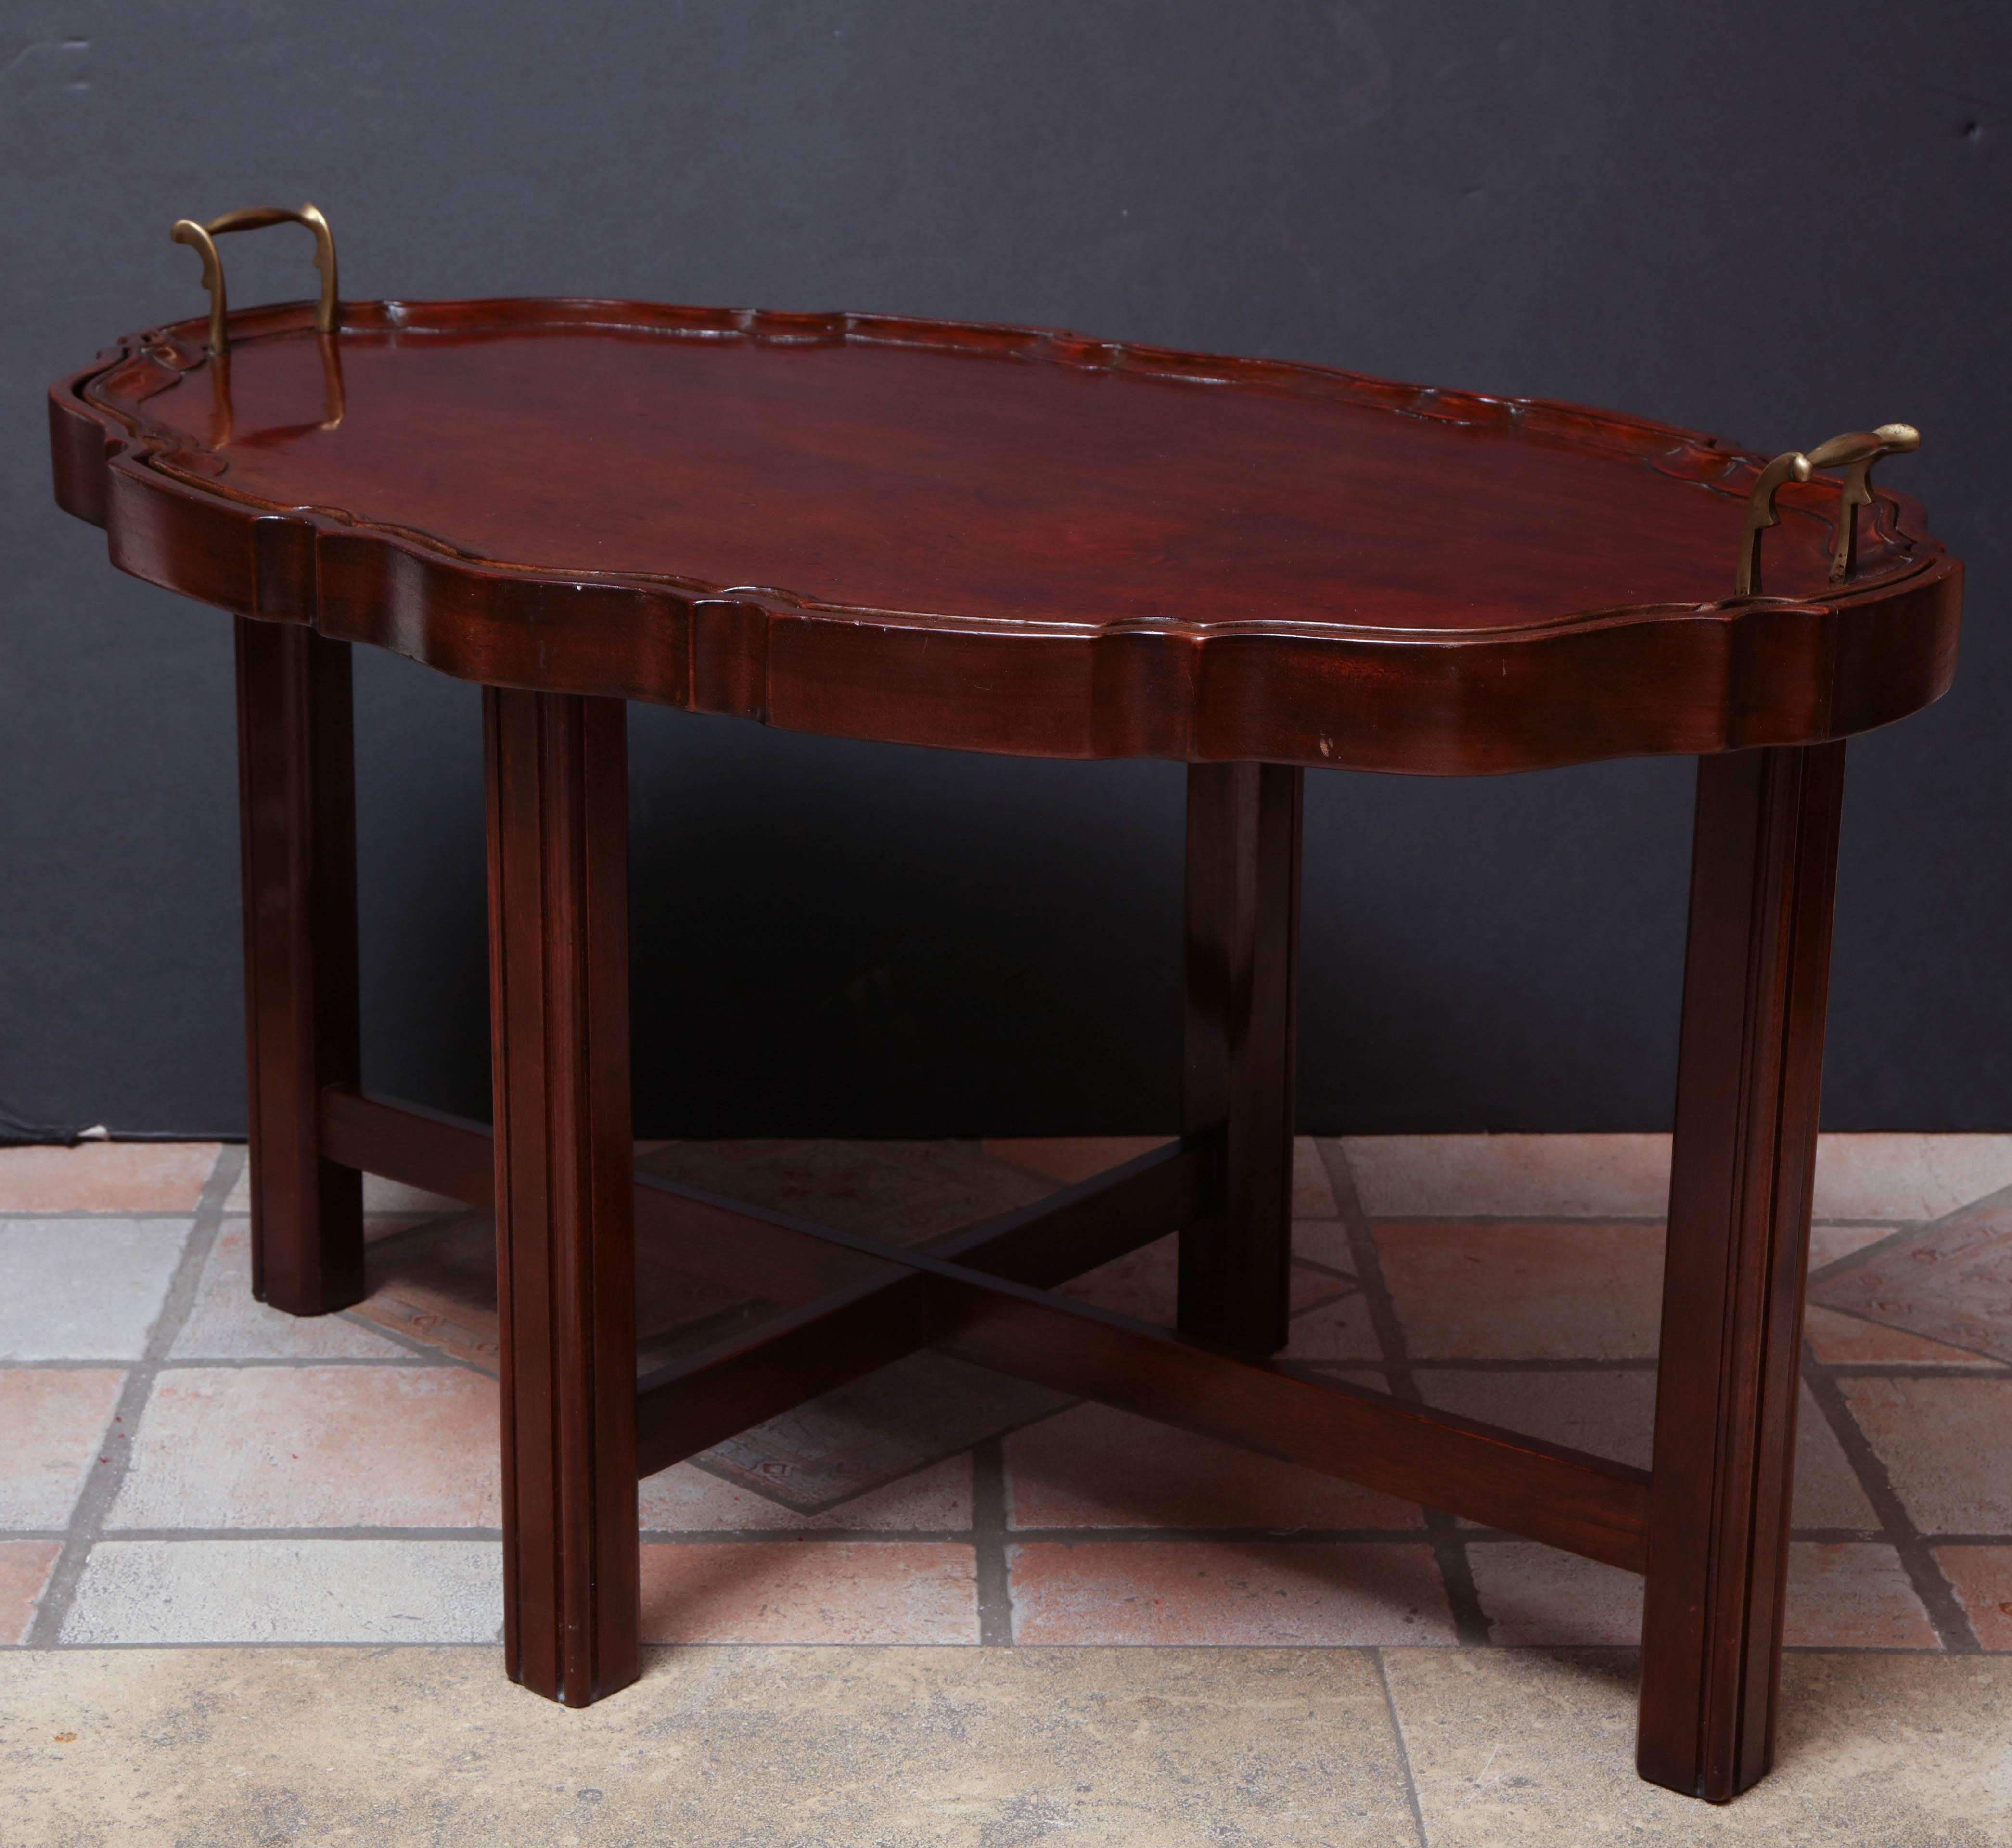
1403,1752
1296,1539
988,1535
249,1363
1555,1213
95,1215
107,1475
176,1536
667,1649
1906,1229
416,1352
1916,1369
1456,1570
1536,1364
419,1350
1945,1610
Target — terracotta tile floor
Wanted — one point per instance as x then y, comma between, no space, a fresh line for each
179,1466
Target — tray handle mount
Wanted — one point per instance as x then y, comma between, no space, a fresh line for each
1855,452
201,239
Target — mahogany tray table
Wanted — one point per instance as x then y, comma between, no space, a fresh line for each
999,539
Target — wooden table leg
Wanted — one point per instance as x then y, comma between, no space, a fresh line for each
1242,994
559,936
297,812
1751,1067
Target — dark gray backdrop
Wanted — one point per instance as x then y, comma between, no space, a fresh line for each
1774,221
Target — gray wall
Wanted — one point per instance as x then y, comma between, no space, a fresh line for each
1774,221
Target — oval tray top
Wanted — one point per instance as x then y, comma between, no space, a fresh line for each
995,538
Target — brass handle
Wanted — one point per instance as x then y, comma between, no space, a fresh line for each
1761,516
223,417
202,240
1855,452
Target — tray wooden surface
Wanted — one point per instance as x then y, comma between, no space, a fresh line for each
994,538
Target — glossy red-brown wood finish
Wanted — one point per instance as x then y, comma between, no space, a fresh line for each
298,839
1004,540
999,539
1242,991
1750,1073
558,949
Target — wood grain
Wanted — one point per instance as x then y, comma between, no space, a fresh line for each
1239,1039
558,928
1750,1075
997,539
1007,540
296,812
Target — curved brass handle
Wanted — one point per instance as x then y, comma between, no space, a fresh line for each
1855,452
202,240
223,417
1761,516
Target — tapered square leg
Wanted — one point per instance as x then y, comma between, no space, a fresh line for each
558,805
1242,995
1751,1067
297,810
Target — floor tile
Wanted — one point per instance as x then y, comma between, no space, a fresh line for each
1901,1175
1095,1466
1982,1577
314,1446
1142,1283
227,1323
1313,1194
838,1446
380,1196
1854,1595
715,1748
289,1591
1523,1176
686,1499
1613,1414
1944,1442
1190,1592
1326,1242
25,1566
1829,1243
1610,1412
1145,1283
106,1177
1851,1596
1074,1158
83,1289
52,1422
810,1591
1308,1289
1827,1492
1337,1331
1071,1159
1524,1291
1949,1282
435,1283
1841,1340
1533,1594
433,1280
1535,1749
1893,1177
